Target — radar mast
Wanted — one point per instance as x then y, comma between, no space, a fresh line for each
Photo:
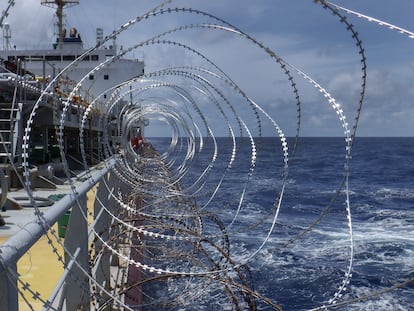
59,5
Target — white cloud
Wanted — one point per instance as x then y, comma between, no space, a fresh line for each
314,42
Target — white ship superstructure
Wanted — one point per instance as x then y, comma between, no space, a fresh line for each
45,64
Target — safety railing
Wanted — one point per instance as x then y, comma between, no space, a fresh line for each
67,290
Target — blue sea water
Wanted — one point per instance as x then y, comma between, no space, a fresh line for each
305,257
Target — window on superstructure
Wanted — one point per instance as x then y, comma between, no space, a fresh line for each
94,57
53,57
91,77
106,77
69,57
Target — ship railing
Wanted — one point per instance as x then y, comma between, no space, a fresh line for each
67,291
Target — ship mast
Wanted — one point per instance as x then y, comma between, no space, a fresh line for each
59,5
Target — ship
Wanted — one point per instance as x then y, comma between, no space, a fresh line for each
24,74
46,161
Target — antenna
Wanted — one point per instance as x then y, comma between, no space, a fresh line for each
59,5
6,36
99,36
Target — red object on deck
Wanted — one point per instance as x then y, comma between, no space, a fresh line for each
134,142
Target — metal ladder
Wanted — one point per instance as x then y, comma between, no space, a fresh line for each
10,116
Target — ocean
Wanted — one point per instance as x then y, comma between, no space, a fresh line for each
302,261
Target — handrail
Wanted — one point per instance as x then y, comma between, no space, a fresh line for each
17,245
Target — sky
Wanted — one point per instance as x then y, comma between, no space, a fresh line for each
302,33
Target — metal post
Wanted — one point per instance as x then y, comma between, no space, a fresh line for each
77,284
60,286
103,224
8,289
